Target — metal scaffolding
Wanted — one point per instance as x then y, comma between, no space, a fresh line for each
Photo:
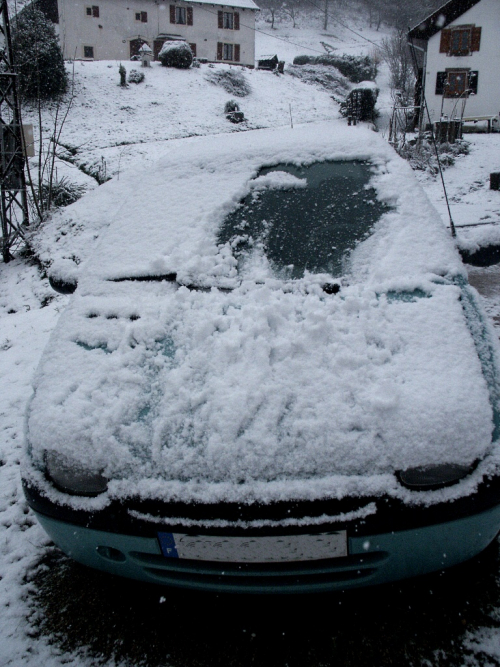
14,203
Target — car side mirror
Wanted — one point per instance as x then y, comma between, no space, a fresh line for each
63,286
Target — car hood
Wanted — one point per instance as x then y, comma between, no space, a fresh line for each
260,385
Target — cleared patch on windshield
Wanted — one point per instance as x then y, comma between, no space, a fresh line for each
304,218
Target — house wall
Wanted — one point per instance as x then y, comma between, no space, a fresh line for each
111,32
486,14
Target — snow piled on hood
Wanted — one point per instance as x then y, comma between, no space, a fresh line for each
269,390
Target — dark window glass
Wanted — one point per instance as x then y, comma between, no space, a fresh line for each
306,229
460,42
228,20
88,51
180,15
228,52
457,83
88,11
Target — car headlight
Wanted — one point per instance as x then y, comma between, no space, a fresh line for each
429,478
72,477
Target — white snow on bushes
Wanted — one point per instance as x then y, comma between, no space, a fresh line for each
266,391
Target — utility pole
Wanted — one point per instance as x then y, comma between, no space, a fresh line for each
13,199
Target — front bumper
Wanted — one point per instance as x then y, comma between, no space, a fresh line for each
372,559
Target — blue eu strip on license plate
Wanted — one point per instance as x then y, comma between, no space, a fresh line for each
167,545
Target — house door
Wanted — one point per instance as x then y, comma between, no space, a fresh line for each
157,44
135,45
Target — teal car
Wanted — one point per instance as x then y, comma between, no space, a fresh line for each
272,375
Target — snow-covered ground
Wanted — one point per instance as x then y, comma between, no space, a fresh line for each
114,130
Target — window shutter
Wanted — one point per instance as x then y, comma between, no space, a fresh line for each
144,17
172,13
476,39
95,11
236,20
440,82
220,20
193,49
190,16
445,45
472,83
236,53
219,50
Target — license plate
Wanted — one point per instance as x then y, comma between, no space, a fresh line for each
275,549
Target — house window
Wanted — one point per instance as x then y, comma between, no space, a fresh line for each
88,51
181,15
92,11
141,16
228,52
460,40
454,83
228,20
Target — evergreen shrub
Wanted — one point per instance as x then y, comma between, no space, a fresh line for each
232,81
176,54
135,76
355,68
37,56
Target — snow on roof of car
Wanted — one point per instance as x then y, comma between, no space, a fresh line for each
270,389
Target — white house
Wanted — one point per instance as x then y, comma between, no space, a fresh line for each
462,65
116,29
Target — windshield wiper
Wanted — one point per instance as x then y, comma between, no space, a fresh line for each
171,278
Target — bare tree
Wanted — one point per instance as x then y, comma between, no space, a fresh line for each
396,53
273,7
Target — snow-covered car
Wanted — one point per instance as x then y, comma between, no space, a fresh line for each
273,375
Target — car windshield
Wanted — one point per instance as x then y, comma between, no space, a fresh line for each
306,218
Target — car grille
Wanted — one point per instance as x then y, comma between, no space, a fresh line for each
260,577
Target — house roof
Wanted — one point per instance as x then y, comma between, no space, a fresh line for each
441,18
242,4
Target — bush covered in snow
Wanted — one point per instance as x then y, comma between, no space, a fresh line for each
38,56
232,111
327,77
233,81
176,54
360,103
422,155
355,68
135,76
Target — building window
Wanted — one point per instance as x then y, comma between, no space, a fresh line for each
228,52
228,20
88,51
454,83
460,40
141,16
92,11
181,15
